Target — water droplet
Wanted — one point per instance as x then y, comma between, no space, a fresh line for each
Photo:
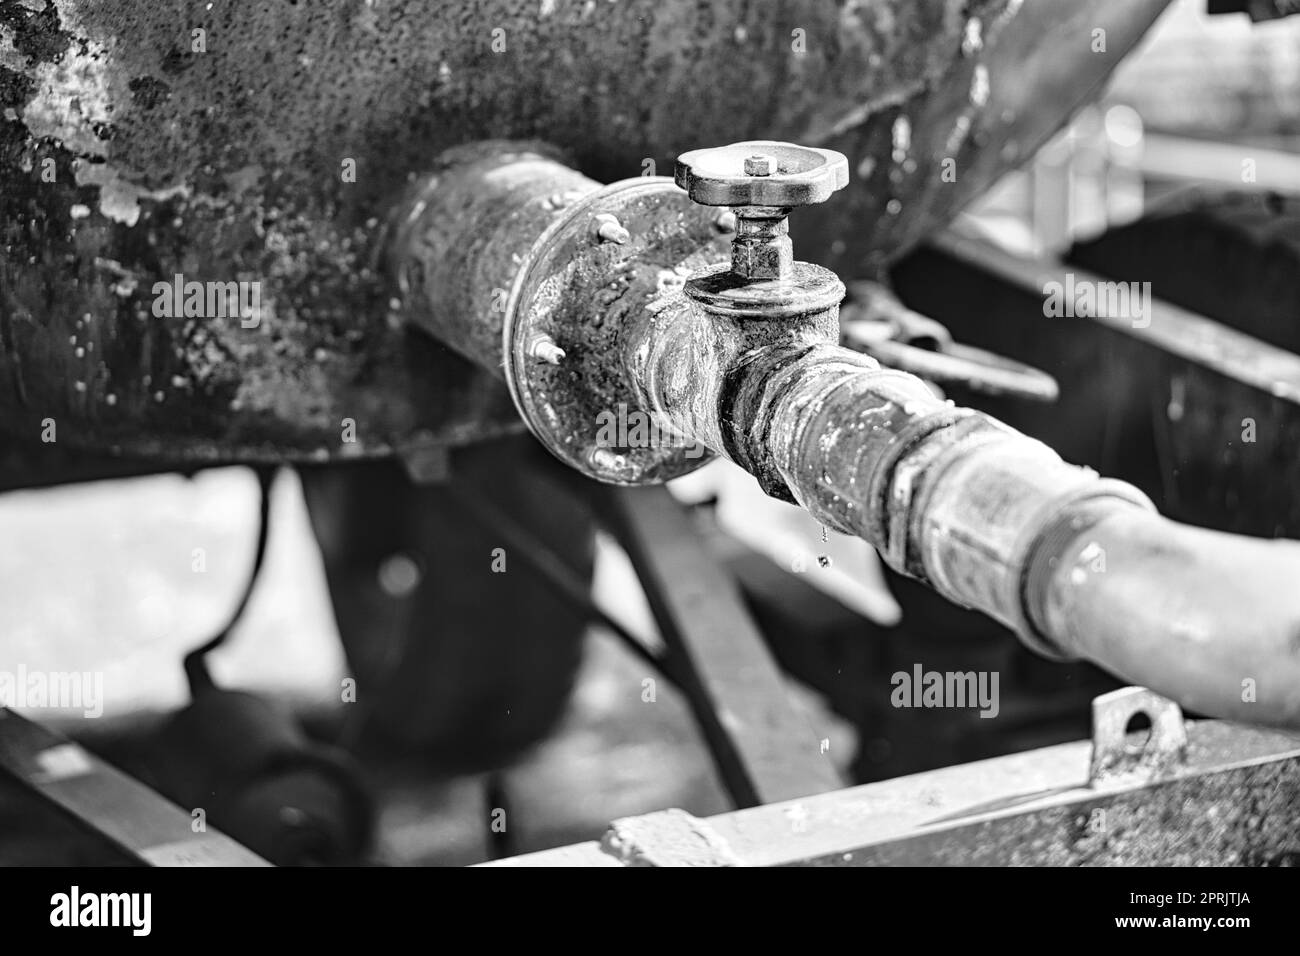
902,138
399,575
979,85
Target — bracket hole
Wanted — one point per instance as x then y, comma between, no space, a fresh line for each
1139,722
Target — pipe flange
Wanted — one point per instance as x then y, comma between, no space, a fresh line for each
610,254
807,289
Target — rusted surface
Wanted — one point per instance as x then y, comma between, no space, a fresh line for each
1037,808
456,242
1018,70
1245,817
531,271
579,292
948,495
228,164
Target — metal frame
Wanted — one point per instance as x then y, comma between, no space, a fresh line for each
149,828
1232,799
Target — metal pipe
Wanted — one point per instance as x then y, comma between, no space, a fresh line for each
947,495
1210,619
456,245
988,517
1078,566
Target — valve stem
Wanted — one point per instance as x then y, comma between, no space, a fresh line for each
543,348
609,229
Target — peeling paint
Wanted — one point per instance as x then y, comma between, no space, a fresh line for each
228,162
119,198
72,100
10,58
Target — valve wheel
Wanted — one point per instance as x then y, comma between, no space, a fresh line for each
761,173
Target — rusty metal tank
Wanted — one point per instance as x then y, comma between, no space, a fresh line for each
269,143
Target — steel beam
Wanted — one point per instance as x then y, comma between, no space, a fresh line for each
114,805
1233,800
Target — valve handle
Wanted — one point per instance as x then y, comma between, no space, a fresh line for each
761,173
